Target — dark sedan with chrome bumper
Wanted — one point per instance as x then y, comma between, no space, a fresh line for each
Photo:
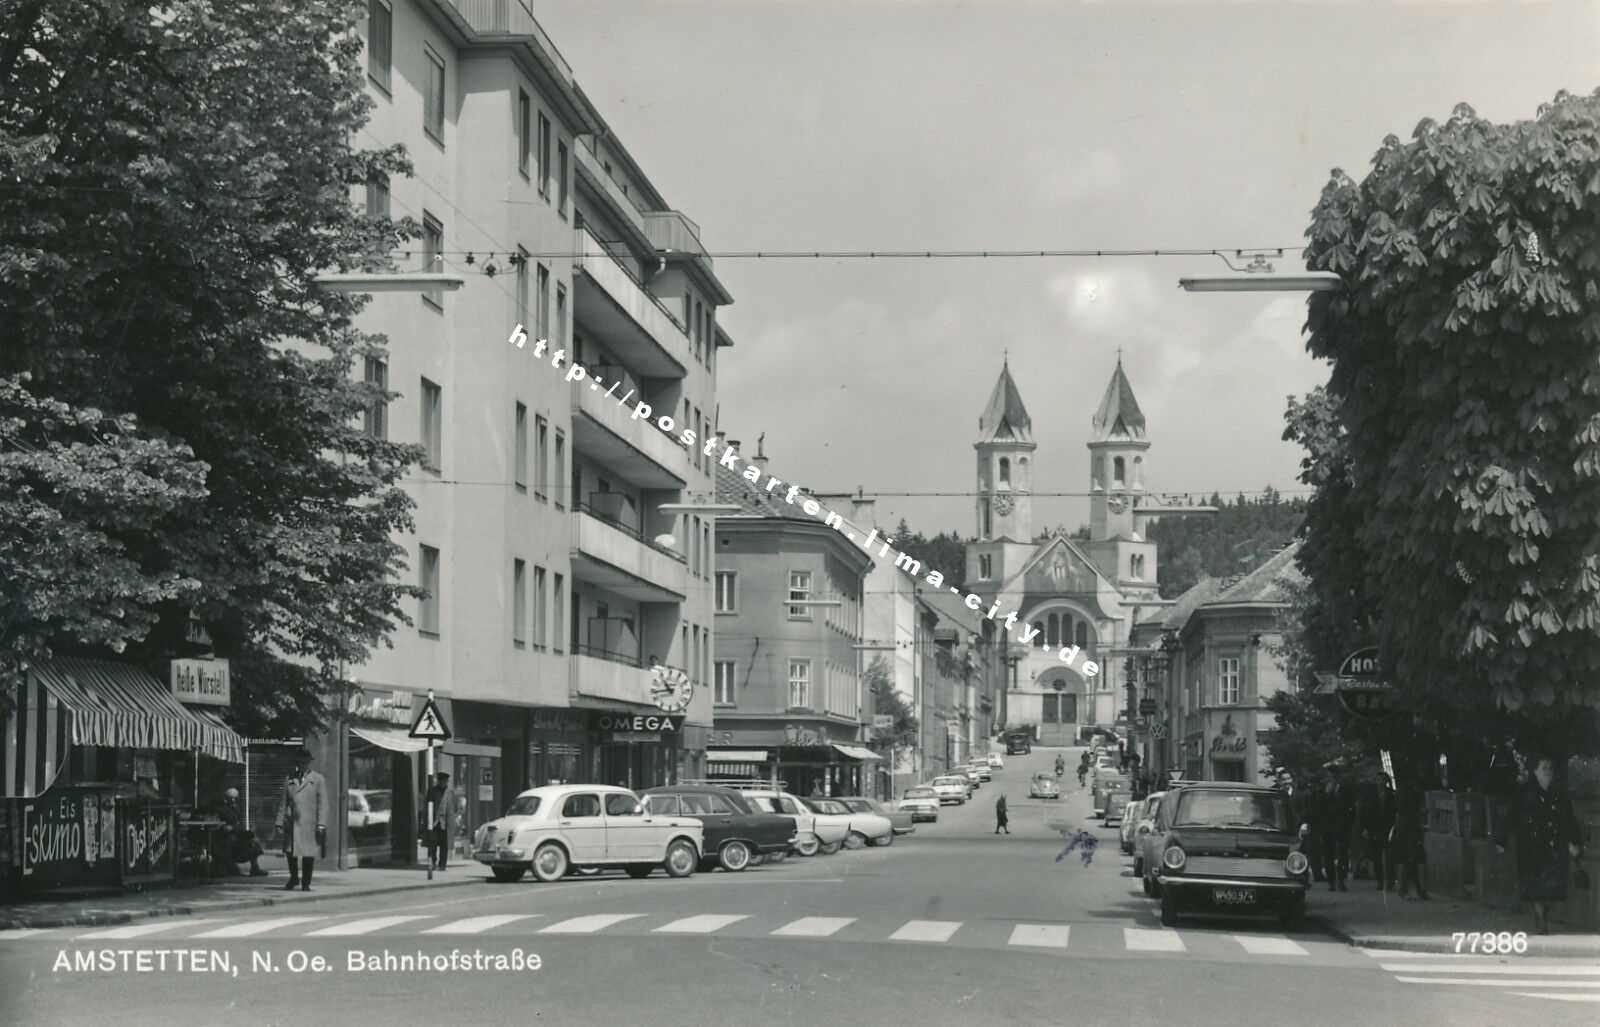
1231,848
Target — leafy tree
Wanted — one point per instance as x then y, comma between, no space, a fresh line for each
944,552
885,700
1465,367
1236,539
174,180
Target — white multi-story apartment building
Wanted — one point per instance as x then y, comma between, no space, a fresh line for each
555,579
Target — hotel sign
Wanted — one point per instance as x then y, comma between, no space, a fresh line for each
201,682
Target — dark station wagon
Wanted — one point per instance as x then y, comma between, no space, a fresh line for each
735,832
1228,848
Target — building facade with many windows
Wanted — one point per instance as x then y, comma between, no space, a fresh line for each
554,580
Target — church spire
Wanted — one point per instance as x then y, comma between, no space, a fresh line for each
1119,415
1005,418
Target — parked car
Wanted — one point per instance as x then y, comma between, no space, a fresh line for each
1148,818
1105,781
951,788
900,821
1232,848
734,832
981,765
996,761
865,828
556,829
922,802
971,774
813,834
1116,800
366,810
1043,786
1130,820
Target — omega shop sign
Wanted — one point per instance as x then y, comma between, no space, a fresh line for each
643,727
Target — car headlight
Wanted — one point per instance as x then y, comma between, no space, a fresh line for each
1297,863
1173,858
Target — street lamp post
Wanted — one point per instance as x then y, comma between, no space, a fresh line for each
1258,276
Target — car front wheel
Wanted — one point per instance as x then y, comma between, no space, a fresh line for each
855,840
734,856
550,862
887,839
680,860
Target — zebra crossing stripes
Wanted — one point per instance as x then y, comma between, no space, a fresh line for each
1559,981
703,924
1051,936
814,927
479,924
927,930
589,924
252,928
145,929
1140,940
366,926
1266,945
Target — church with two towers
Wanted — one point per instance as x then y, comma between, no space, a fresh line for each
1075,592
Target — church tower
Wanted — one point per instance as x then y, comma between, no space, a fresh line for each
1005,465
1117,447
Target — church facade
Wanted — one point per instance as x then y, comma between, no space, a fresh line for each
1073,592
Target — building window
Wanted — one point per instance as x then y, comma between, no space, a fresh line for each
433,101
558,612
984,567
428,579
1005,471
800,590
1052,634
561,179
540,609
380,42
559,480
1228,680
519,603
544,156
694,658
1119,472
432,255
519,437
799,684
375,421
561,316
692,550
1081,639
541,458
524,131
727,592
521,313
724,685
432,426
378,195
543,299
705,550
988,524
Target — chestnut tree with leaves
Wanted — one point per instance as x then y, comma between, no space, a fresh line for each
172,180
1460,517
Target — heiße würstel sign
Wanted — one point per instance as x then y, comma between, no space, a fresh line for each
202,682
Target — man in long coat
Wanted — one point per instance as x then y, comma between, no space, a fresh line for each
442,827
303,821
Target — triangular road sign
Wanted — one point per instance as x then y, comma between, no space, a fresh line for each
430,723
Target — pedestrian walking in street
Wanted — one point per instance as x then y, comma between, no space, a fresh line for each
1405,842
1546,831
441,827
1000,816
303,821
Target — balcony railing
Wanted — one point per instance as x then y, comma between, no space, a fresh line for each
611,655
512,17
591,245
600,513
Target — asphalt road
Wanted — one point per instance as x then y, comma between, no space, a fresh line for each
950,925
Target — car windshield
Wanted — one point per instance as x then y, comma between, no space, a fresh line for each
920,793
1043,777
523,806
1207,807
949,781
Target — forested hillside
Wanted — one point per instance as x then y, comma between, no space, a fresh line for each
1234,540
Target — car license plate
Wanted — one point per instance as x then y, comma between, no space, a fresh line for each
1233,896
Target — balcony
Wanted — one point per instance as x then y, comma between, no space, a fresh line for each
609,676
612,553
635,449
613,305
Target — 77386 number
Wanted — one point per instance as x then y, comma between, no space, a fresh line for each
1489,943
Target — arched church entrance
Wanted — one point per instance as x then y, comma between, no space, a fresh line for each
1064,702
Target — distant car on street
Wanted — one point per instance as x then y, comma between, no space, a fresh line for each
556,829
900,820
1043,786
1130,821
922,802
996,761
952,789
1231,848
1018,743
865,828
981,765
972,775
734,831
1117,798
1142,832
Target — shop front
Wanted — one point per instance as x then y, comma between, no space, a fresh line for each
1231,748
807,758
381,767
635,750
558,749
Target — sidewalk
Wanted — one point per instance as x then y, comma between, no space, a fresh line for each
1368,918
101,908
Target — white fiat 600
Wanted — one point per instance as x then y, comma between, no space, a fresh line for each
561,828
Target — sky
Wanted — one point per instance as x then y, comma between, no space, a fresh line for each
1023,124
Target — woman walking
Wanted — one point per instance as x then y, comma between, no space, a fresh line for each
1546,832
1000,816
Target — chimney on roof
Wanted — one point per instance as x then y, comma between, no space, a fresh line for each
760,459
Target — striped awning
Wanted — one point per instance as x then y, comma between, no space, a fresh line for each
34,741
114,704
855,752
736,755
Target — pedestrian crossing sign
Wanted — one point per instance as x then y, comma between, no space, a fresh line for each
430,723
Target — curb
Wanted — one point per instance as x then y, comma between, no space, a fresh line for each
109,918
1538,946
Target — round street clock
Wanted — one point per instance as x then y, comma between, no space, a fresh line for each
671,689
1002,504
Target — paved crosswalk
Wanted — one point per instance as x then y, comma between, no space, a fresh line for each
1556,980
1038,937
